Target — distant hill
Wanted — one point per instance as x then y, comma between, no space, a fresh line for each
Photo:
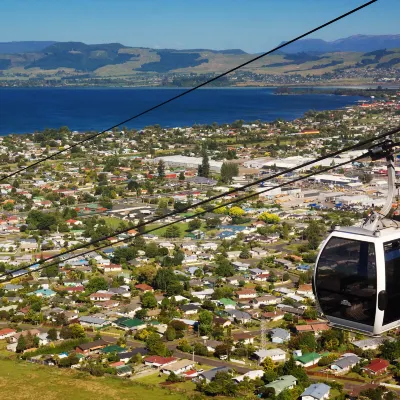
23,47
358,43
68,60
80,56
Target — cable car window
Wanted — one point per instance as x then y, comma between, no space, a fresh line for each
392,264
346,280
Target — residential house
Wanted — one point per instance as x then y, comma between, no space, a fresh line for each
308,359
126,356
212,344
267,300
203,294
111,268
376,367
251,375
243,337
246,294
159,362
279,335
93,322
258,252
221,321
28,245
345,363
276,355
143,287
208,376
129,323
273,315
371,343
239,316
101,295
189,309
7,333
178,367
92,347
282,383
228,304
316,391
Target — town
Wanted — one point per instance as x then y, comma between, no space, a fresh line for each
219,304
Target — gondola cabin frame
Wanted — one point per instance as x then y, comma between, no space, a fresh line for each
357,279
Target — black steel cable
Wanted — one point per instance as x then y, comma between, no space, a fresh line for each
190,90
326,169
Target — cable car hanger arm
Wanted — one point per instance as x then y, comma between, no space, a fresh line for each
383,150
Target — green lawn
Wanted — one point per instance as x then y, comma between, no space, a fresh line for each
183,226
112,222
188,386
24,381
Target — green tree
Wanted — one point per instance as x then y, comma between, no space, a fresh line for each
269,218
77,331
149,300
172,231
161,169
21,344
96,283
52,334
228,171
205,322
236,211
224,268
204,167
194,224
155,345
170,333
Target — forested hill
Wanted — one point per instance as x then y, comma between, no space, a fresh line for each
71,60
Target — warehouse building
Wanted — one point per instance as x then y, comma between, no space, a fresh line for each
187,162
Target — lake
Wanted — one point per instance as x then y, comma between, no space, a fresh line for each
25,110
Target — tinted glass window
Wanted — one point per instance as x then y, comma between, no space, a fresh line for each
392,262
346,280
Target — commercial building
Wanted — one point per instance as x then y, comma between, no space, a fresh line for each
187,162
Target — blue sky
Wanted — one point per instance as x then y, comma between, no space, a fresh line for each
252,25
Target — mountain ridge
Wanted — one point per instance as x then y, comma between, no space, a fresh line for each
357,43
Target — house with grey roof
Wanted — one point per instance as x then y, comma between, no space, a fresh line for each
279,335
371,343
94,322
316,391
274,354
9,287
239,316
345,363
209,375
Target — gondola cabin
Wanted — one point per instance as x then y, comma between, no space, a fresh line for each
357,279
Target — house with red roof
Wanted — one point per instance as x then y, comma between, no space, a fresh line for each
378,366
7,333
101,295
143,287
158,361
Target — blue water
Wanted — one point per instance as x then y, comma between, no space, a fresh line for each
25,110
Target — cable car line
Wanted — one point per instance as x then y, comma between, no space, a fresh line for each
257,182
354,10
366,154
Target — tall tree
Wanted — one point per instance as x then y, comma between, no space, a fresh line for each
161,169
204,168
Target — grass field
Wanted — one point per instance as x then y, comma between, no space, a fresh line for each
24,381
113,222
